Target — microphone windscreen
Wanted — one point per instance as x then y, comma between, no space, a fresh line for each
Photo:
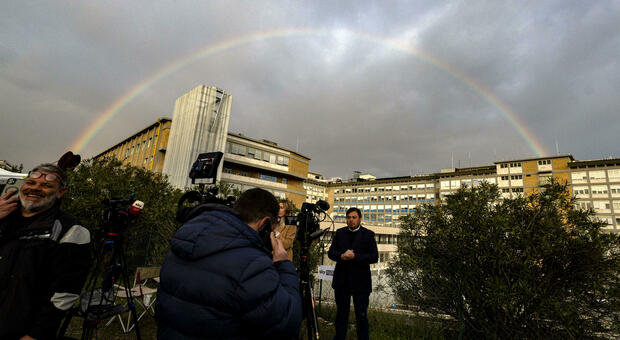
323,205
136,208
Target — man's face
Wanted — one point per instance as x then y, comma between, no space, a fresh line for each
353,220
39,194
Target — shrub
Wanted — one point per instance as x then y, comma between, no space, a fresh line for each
510,268
147,238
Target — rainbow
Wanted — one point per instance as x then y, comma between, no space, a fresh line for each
512,117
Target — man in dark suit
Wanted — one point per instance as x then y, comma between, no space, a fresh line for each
353,248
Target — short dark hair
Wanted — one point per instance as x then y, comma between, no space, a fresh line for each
352,209
255,204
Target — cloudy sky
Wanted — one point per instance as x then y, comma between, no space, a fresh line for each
387,87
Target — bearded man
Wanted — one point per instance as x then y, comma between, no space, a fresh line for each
44,257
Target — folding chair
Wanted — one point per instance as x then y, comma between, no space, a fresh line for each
143,297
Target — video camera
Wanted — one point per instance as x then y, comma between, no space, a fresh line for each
308,221
119,212
203,171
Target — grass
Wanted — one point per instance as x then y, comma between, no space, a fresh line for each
383,325
148,330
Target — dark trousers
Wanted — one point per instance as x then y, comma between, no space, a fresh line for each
343,302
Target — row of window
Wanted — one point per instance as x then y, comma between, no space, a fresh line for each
457,183
380,208
518,164
372,219
257,154
612,174
512,165
402,210
596,190
608,220
379,238
314,189
262,176
244,187
512,177
138,146
364,199
598,205
382,189
507,190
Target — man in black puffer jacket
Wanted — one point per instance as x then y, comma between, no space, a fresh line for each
219,282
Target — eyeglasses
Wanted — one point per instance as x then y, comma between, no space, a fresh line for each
47,177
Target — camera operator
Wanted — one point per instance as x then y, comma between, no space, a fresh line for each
219,282
44,256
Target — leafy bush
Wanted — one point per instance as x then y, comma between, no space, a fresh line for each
147,238
511,268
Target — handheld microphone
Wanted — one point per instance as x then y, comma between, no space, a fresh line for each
136,208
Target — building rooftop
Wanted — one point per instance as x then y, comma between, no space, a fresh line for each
535,159
602,161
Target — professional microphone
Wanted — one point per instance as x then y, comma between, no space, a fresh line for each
136,208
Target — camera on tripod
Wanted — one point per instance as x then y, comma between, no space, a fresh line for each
203,171
308,221
308,229
97,301
119,212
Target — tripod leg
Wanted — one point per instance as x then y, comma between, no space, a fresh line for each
312,312
309,313
130,302
65,323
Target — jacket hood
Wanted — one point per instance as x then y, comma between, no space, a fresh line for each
216,229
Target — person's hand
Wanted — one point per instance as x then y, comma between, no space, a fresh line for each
279,254
27,337
8,205
348,255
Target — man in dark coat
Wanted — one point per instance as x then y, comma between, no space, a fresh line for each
353,248
219,282
44,257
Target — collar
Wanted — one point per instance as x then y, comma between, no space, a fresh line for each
355,230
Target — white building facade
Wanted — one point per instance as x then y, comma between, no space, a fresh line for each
199,125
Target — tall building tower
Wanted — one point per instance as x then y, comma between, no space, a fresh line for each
199,124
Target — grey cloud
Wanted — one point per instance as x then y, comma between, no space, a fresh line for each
349,103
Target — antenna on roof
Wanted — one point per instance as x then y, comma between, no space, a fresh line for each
557,147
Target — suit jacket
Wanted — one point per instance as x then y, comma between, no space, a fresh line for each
353,275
